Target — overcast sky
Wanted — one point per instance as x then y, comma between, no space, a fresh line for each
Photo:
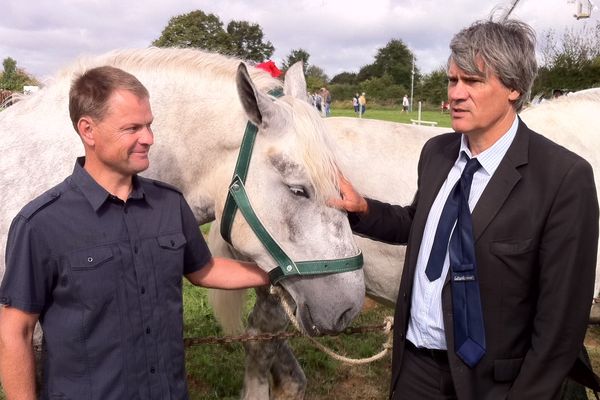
339,35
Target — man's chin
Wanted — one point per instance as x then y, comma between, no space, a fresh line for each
140,166
459,125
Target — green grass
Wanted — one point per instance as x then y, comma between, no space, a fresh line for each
216,371
394,115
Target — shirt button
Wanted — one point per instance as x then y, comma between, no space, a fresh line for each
152,370
135,249
125,210
143,290
172,243
147,331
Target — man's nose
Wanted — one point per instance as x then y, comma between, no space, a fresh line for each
146,136
457,91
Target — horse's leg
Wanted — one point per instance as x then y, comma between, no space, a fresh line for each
288,379
265,357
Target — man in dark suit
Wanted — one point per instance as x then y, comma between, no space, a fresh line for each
497,306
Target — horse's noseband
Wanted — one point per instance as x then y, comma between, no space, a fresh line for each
237,198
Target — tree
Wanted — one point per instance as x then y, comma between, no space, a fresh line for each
367,72
433,88
383,89
571,62
13,78
315,78
205,31
344,77
395,59
247,41
294,57
195,29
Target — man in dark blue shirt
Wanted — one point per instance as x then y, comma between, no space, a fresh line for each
98,260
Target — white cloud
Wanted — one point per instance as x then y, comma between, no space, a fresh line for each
339,35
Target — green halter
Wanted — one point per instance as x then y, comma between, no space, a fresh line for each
237,198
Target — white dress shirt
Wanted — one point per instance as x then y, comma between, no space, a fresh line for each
426,323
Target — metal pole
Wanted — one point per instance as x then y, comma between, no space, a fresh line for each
412,84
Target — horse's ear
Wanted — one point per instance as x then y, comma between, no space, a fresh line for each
294,83
259,107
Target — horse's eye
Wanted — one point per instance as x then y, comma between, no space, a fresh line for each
299,191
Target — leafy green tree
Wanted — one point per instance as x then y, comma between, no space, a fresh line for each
247,41
12,78
295,56
570,62
367,72
195,29
383,90
433,87
395,60
315,78
344,78
205,31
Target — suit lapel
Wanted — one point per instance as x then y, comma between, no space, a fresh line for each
502,182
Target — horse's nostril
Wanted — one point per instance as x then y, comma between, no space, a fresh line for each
344,320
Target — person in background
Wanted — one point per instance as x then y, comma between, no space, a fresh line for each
405,103
362,102
326,98
498,278
355,103
98,260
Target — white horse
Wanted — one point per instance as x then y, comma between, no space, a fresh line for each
380,159
201,103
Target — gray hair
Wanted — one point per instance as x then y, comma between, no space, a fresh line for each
507,49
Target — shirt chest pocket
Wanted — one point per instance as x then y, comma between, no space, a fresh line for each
170,256
95,272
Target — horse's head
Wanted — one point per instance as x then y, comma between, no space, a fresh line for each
291,173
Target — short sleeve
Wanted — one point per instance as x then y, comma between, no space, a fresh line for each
197,253
30,269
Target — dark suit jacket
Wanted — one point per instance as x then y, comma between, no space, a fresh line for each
536,238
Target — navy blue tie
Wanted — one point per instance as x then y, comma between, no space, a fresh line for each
469,332
448,218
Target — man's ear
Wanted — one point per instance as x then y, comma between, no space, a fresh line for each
513,95
85,127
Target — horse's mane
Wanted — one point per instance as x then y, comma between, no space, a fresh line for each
571,100
315,148
185,61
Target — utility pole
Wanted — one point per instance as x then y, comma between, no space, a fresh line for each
412,83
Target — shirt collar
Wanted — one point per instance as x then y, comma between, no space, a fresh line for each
95,194
492,156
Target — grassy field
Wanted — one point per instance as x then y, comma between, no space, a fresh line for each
394,115
216,371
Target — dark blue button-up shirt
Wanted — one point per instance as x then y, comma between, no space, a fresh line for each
105,277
